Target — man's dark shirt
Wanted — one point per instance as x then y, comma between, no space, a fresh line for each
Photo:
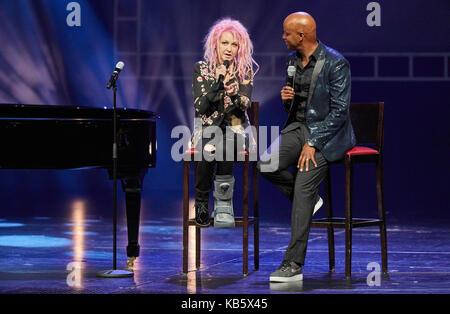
302,83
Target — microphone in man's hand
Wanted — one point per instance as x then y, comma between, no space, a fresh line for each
291,74
291,77
112,80
226,63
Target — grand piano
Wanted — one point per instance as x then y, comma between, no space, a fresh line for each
67,137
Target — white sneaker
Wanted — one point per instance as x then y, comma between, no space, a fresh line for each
318,205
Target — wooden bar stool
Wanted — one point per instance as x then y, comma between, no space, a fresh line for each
245,221
367,121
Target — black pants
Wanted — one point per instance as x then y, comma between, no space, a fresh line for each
231,143
300,187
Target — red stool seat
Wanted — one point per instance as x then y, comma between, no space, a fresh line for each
191,151
362,150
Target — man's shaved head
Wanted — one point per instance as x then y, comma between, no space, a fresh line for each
302,22
300,32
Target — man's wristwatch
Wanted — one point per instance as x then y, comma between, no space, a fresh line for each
310,144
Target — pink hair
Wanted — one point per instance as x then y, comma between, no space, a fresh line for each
243,60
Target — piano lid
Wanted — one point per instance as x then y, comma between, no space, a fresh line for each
70,112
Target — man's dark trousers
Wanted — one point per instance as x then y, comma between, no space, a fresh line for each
300,187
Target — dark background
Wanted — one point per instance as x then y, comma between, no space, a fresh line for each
404,62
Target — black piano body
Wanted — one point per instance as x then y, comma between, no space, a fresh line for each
68,137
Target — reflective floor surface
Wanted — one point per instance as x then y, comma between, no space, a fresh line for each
55,255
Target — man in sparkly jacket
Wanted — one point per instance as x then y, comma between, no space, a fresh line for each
318,130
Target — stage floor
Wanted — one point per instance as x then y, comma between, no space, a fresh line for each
36,252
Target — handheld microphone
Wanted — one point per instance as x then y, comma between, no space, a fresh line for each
226,63
112,80
291,75
291,78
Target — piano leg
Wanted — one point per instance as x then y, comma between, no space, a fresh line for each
133,189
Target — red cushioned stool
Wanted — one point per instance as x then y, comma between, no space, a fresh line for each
367,121
245,221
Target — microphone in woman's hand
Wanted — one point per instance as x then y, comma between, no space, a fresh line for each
226,63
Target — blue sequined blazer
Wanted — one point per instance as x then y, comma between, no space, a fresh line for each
327,110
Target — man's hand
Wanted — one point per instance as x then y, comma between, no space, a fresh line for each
306,155
287,93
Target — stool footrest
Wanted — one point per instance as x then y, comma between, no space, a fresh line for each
239,222
340,222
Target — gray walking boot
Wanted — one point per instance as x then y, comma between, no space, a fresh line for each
223,203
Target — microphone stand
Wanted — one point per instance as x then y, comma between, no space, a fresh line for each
115,273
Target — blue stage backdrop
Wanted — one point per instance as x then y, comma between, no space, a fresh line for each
61,52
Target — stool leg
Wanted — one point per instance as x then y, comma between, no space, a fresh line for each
382,215
329,213
197,230
185,215
255,216
245,224
197,247
348,216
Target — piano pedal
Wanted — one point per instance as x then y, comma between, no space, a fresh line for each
130,263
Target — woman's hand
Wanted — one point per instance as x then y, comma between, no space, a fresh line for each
220,70
233,88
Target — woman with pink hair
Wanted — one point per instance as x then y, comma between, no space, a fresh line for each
222,88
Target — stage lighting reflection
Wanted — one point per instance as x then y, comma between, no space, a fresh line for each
192,282
192,239
33,241
78,209
92,220
10,225
294,286
97,255
72,224
138,279
84,233
162,230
